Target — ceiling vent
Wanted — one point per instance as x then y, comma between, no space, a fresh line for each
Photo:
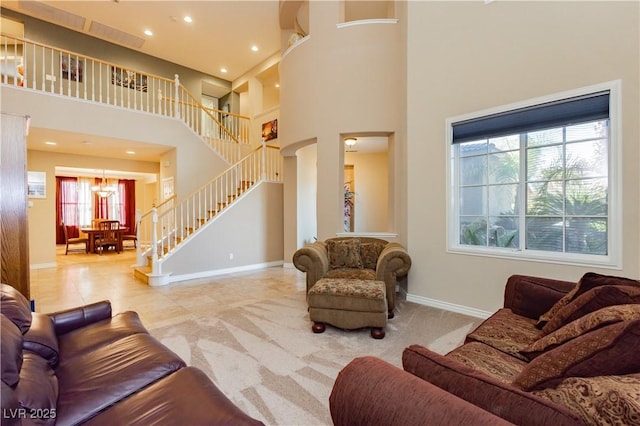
48,13
109,33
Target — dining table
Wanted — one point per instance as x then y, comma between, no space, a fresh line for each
92,234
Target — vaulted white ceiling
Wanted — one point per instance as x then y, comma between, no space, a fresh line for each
221,35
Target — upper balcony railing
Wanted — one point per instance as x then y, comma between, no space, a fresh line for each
36,66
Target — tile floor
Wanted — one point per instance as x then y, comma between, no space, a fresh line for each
82,278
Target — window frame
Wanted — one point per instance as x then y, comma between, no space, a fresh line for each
613,258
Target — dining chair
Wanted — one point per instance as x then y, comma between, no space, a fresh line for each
108,236
132,236
77,240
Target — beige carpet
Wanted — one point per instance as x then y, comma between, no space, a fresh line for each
265,358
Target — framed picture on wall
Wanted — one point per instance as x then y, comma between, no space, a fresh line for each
270,130
37,184
130,79
72,68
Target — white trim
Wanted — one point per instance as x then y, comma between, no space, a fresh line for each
613,260
367,22
294,45
225,271
367,234
43,265
452,307
288,265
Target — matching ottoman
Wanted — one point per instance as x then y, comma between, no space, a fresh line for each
348,304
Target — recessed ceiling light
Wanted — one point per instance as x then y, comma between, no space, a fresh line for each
223,70
50,143
254,48
148,32
188,19
130,152
277,85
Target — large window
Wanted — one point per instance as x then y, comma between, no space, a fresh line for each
536,181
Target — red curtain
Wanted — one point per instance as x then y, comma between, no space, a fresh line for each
66,207
127,194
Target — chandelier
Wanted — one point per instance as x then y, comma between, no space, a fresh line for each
103,189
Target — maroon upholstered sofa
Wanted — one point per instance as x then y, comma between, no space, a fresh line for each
557,353
85,366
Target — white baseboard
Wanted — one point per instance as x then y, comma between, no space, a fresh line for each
43,265
288,265
460,309
216,272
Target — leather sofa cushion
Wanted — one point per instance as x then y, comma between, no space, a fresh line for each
37,390
94,380
186,396
86,339
499,398
610,350
15,306
81,316
10,351
41,338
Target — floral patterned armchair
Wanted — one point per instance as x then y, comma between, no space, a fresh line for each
355,258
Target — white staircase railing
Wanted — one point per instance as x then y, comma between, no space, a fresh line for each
36,66
169,227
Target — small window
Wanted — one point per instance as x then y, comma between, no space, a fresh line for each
535,181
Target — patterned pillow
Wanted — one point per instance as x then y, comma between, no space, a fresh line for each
610,350
589,322
588,281
369,253
591,301
344,253
604,400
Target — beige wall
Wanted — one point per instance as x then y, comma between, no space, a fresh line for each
468,56
251,230
347,80
372,191
42,212
307,175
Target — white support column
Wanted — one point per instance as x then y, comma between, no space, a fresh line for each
176,110
263,160
154,242
139,257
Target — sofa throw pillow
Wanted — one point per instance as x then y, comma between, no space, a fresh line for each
609,350
578,327
344,253
369,253
588,281
591,301
604,400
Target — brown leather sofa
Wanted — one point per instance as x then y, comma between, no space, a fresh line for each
85,366
558,353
